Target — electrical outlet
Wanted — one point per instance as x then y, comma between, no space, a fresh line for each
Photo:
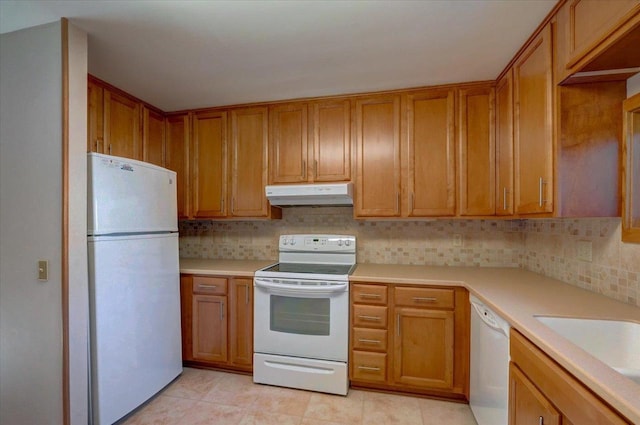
457,240
43,270
585,251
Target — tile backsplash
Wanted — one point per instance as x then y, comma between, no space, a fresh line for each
547,246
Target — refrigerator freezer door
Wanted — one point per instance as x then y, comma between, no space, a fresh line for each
129,196
135,320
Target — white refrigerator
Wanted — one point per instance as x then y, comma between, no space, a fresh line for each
134,284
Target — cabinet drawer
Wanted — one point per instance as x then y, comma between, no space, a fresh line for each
369,294
424,297
369,316
369,367
209,285
369,339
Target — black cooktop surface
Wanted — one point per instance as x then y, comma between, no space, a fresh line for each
335,269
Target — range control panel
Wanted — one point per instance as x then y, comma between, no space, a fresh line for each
333,243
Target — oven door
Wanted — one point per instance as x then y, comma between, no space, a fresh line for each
301,318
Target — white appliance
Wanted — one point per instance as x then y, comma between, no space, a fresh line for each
311,194
133,284
301,314
489,368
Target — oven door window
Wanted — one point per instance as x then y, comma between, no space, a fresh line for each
303,316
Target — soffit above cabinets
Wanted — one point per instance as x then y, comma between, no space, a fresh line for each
188,54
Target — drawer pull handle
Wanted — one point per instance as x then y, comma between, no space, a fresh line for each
425,299
373,369
541,420
370,318
369,341
370,296
204,285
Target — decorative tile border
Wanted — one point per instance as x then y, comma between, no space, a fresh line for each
546,246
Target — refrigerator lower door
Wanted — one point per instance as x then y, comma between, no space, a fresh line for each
135,321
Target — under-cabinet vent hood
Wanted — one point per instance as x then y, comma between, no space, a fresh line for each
310,194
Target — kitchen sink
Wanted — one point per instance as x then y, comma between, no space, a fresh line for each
614,342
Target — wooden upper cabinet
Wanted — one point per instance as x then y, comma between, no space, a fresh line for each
378,157
331,138
504,145
533,131
209,164
431,179
477,149
153,136
600,34
177,157
288,131
95,117
310,142
121,126
249,130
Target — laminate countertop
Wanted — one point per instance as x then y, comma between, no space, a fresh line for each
240,268
517,296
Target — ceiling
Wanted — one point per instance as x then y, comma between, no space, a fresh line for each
188,54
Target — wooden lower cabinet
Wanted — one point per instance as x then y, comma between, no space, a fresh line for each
217,321
209,328
541,388
241,322
423,348
528,405
411,339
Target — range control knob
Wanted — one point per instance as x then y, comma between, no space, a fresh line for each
347,242
292,242
339,242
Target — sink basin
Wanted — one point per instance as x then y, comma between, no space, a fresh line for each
616,343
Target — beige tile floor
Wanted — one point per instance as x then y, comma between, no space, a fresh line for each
200,397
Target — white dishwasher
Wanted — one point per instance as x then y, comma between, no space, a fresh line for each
489,368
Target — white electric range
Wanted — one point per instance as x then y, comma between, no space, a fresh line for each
301,314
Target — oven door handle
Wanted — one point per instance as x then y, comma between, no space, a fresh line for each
299,290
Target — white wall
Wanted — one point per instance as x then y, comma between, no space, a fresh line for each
30,226
77,231
31,161
633,85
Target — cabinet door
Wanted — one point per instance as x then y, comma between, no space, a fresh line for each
533,137
504,145
477,151
209,328
249,162
527,405
331,141
591,22
288,134
177,158
209,164
431,177
378,157
241,321
152,136
95,117
121,126
423,348
186,306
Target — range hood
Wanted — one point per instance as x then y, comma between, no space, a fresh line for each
310,194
